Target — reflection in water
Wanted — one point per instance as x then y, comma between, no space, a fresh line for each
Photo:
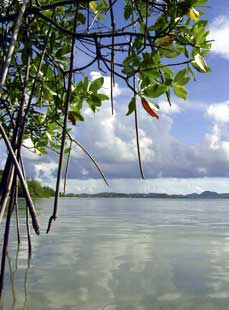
26,283
125,254
12,276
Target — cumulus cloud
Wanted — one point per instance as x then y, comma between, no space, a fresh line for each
220,34
167,109
217,143
111,140
45,170
28,151
219,112
218,139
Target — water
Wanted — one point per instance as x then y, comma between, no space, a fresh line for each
123,254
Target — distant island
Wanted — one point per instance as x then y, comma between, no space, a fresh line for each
203,195
38,191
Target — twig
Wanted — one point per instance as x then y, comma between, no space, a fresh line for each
67,166
56,201
112,55
87,153
5,66
137,134
92,159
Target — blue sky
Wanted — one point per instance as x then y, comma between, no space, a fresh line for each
186,150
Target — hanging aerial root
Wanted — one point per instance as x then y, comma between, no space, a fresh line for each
64,132
22,180
7,231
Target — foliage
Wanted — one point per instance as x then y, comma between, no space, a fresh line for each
37,190
49,48
152,35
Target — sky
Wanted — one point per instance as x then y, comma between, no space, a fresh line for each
186,150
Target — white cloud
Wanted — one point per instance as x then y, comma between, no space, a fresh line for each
217,142
111,140
218,139
167,109
112,136
45,169
219,112
220,34
28,151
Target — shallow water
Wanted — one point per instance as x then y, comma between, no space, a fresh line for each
123,254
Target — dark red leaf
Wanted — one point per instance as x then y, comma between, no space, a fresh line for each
148,108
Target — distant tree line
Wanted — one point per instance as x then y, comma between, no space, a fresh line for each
36,189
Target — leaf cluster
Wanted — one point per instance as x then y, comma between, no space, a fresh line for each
162,42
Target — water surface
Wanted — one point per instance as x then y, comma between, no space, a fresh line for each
123,254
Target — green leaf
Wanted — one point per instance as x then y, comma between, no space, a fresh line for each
127,11
102,97
132,105
138,43
193,14
62,51
148,77
77,116
132,59
168,82
96,84
172,52
168,72
48,91
129,70
81,18
155,90
85,83
200,63
160,24
185,81
95,99
166,40
49,136
180,91
67,150
179,77
92,5
192,73
200,2
40,151
186,52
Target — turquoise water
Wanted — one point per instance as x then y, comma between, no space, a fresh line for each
123,254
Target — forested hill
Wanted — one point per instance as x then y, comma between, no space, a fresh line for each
36,189
203,195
